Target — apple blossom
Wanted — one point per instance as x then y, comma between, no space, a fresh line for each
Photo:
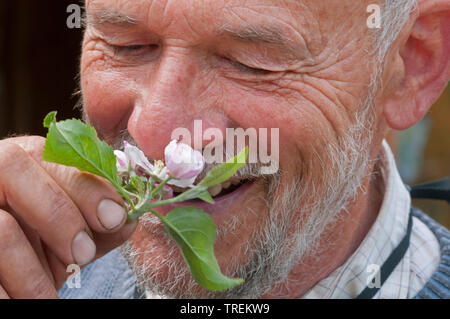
137,158
181,168
182,161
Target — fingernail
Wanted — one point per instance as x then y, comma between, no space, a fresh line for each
110,214
83,249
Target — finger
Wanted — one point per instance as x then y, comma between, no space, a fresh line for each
36,243
58,268
43,205
105,243
21,274
98,201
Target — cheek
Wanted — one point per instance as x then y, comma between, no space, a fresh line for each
108,99
302,126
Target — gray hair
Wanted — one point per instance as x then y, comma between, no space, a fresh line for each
395,13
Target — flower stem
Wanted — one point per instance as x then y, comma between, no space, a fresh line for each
142,207
160,186
124,193
147,205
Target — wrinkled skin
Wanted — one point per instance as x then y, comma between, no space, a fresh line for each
176,63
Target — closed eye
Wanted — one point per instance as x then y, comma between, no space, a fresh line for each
134,50
247,69
133,47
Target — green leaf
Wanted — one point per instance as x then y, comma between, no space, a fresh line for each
49,119
222,172
200,192
195,232
73,143
206,197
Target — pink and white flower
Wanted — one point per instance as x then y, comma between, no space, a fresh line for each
137,158
183,163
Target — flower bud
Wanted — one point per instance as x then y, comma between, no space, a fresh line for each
122,163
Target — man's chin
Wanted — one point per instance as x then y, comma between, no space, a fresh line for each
160,268
157,263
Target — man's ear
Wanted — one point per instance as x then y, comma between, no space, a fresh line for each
426,67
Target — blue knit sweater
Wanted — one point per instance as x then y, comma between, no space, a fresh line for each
438,287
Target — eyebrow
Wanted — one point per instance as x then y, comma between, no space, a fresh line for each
259,34
264,35
102,16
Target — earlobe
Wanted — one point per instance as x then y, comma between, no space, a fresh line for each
426,67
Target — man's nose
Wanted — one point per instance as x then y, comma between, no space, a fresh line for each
174,98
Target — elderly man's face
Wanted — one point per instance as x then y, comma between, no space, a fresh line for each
149,67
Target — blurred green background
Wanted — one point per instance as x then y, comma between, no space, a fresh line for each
423,154
39,58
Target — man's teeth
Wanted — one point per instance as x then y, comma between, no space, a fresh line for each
216,190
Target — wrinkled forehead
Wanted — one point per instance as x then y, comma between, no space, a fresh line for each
315,23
